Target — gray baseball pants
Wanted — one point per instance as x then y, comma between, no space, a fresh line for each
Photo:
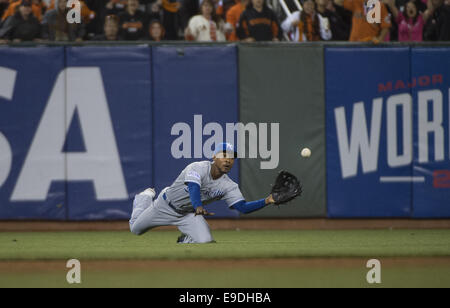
157,213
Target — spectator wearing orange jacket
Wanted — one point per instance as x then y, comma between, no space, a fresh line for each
362,30
22,26
233,16
38,8
4,4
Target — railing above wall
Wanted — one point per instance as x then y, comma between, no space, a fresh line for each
256,44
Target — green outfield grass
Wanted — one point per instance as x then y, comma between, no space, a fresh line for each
230,244
358,245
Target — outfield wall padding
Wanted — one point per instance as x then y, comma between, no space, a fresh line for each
27,77
112,89
388,144
285,85
84,129
431,69
357,139
196,88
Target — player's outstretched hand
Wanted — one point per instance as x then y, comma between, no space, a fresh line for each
202,211
270,200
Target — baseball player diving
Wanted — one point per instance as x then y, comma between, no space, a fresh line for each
200,183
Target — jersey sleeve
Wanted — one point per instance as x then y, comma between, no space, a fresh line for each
233,195
194,174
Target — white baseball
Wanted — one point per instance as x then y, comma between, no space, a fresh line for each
306,152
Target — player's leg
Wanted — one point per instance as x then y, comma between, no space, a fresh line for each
156,215
195,229
141,202
149,218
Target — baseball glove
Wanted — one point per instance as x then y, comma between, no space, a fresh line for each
286,188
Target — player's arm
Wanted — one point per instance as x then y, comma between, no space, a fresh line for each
236,200
193,181
196,200
252,206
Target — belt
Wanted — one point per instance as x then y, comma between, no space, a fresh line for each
171,205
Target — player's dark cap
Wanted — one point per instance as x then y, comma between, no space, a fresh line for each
225,147
25,3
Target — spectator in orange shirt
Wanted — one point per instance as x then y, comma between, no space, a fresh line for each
4,4
227,5
362,30
22,26
86,14
37,8
233,16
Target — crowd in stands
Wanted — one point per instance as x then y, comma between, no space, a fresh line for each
223,20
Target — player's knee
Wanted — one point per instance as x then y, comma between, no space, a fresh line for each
204,238
138,233
135,230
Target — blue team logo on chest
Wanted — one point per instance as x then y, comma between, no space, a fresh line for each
214,194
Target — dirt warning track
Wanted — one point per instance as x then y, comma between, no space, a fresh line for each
104,265
233,224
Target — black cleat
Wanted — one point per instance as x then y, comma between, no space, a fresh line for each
181,238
